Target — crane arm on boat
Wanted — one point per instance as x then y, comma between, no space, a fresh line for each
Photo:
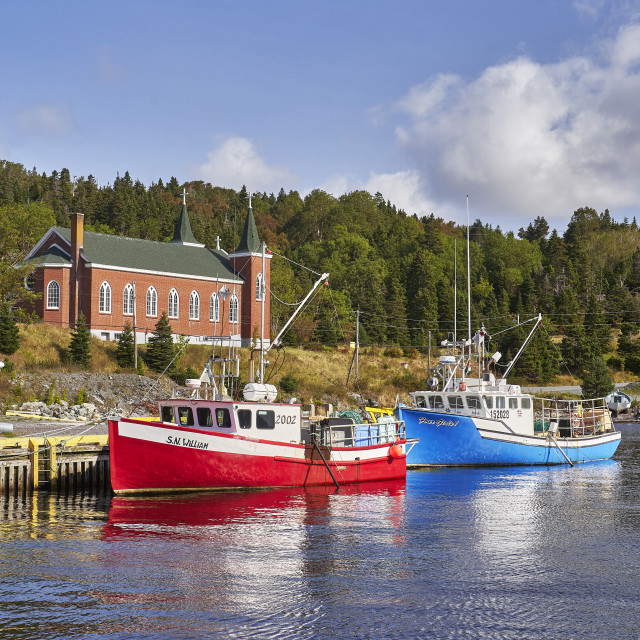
537,323
276,340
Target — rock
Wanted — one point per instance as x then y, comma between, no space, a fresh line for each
106,391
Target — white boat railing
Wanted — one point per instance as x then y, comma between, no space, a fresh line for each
574,418
357,435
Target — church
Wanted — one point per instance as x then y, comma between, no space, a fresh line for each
209,295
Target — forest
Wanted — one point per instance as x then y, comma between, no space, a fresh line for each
397,269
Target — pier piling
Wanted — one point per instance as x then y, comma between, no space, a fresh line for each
57,465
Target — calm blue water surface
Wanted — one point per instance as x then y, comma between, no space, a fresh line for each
481,553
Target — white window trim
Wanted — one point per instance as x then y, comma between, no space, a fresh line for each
214,308
173,293
57,288
127,298
194,306
104,298
234,304
260,288
152,296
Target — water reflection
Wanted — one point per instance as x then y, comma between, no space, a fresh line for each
485,553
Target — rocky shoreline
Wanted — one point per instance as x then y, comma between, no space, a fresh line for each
104,395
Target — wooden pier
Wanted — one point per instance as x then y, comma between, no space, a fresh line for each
54,464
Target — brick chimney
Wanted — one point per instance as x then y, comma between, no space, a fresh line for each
77,241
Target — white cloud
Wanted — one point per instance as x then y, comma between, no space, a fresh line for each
530,139
236,162
46,120
589,8
403,189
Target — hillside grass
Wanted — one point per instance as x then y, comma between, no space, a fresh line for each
311,375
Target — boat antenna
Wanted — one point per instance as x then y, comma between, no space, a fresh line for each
262,301
455,294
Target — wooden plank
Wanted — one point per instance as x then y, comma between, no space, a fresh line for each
35,464
53,476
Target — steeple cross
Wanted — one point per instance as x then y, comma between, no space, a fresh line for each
184,195
250,194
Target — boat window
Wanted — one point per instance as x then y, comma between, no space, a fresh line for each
513,403
185,416
204,417
473,402
436,402
489,401
526,403
265,419
167,414
421,402
500,402
455,402
223,417
244,418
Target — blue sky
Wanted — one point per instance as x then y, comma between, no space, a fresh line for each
530,108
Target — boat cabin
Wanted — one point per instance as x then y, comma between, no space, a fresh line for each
250,419
512,406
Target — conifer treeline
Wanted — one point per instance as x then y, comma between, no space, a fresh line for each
396,268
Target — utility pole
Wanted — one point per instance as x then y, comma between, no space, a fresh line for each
357,340
135,340
355,353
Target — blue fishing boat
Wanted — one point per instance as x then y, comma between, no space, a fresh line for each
464,421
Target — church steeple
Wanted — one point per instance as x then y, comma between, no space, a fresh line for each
183,234
250,242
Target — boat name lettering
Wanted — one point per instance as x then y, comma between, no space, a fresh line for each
187,442
284,419
498,414
439,423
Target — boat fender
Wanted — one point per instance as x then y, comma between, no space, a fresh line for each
396,451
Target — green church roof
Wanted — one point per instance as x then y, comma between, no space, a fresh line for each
149,255
250,242
183,234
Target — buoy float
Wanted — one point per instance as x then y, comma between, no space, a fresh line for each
396,451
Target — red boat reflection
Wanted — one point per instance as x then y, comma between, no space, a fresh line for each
174,514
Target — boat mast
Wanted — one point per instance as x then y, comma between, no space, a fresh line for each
455,294
262,297
468,287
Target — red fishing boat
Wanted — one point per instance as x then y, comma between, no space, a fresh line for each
207,440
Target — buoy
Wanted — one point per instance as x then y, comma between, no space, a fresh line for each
396,451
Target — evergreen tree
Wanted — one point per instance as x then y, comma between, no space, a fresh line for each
9,334
597,381
124,351
79,348
160,349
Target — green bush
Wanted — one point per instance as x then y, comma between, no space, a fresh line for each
288,384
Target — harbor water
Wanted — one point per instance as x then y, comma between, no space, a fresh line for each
550,552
